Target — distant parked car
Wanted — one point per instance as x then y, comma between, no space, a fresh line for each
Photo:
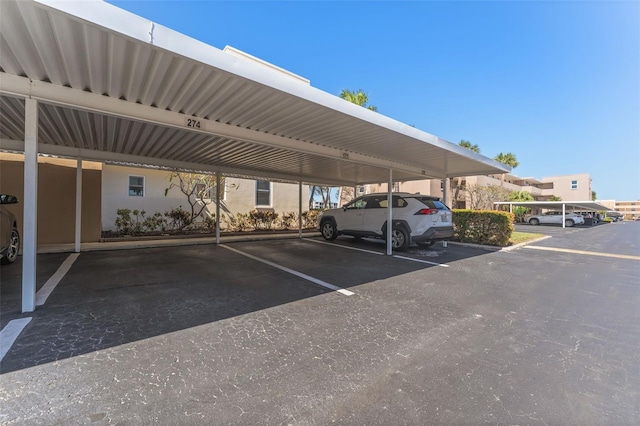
9,236
418,218
555,217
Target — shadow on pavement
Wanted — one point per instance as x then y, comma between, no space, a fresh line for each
112,298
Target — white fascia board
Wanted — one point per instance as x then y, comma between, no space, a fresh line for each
141,29
78,99
587,205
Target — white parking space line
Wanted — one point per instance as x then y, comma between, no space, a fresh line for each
421,261
291,271
50,285
590,253
344,247
10,333
379,253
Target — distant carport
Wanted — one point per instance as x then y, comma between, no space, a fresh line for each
89,81
582,206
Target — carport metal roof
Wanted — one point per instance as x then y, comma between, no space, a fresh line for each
90,81
589,206
113,86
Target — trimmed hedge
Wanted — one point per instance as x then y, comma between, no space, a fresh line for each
487,227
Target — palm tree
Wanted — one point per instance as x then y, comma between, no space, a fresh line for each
508,159
458,182
466,144
519,211
358,97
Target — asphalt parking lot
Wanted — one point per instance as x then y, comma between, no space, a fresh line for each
304,332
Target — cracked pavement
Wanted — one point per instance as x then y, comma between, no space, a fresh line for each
201,335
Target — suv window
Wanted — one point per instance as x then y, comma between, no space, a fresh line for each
398,201
438,205
359,203
433,204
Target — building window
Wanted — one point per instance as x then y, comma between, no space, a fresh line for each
136,186
574,184
202,192
360,189
263,193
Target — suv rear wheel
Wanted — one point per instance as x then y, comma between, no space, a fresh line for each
399,239
329,231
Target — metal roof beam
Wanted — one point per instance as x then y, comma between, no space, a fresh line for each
76,99
90,155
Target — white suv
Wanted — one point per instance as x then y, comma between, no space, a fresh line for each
570,219
418,218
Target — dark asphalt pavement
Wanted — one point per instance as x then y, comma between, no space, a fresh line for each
205,335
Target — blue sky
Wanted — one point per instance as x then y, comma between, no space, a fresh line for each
556,83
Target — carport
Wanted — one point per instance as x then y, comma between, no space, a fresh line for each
588,206
89,81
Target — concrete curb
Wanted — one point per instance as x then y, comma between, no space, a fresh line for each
131,245
505,249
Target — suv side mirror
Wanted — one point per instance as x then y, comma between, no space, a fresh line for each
8,199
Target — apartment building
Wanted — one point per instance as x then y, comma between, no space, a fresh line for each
574,187
630,209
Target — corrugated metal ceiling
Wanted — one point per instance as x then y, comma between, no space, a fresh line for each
97,48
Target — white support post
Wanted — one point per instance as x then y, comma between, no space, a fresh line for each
389,213
445,198
564,209
218,208
300,209
445,192
78,233
30,200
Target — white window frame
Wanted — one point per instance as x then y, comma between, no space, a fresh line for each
210,196
574,184
144,185
262,190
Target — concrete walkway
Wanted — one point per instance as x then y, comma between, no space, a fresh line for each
169,242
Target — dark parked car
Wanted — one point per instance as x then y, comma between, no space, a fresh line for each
9,236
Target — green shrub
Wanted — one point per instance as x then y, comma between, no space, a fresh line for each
262,219
124,221
289,220
209,223
134,222
179,219
310,218
482,227
238,223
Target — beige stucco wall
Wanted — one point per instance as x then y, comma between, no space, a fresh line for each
557,185
56,197
115,193
239,197
562,187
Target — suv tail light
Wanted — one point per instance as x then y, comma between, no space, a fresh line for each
426,212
